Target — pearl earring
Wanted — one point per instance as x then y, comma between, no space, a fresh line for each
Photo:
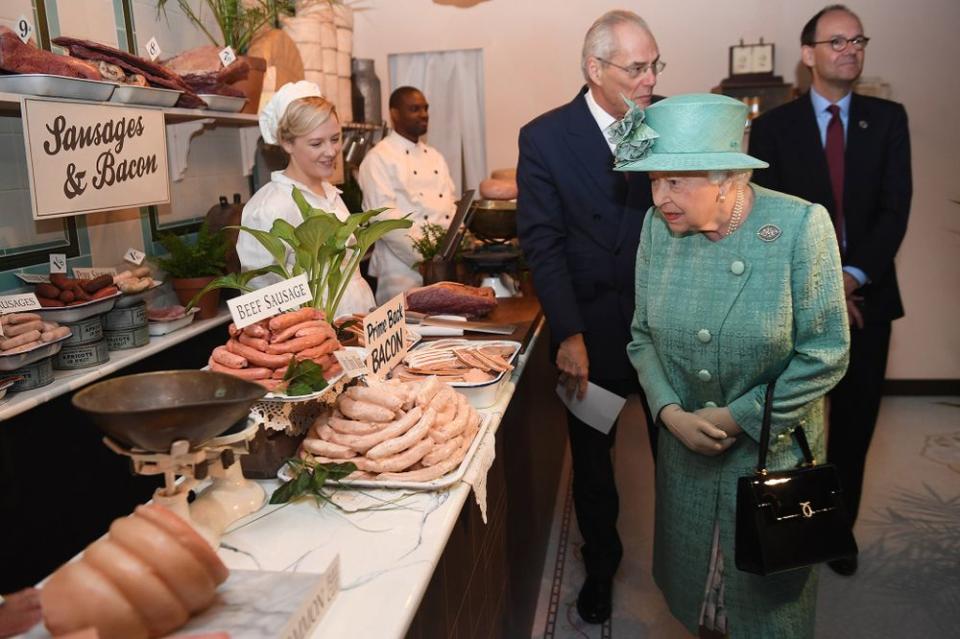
721,197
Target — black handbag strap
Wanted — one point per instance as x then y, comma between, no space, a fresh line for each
798,434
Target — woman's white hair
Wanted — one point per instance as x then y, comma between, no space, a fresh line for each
740,176
600,41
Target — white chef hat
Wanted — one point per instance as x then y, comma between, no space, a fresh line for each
272,114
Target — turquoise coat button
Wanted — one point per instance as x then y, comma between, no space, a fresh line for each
737,267
704,375
704,335
709,404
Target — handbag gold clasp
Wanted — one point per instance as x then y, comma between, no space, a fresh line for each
806,509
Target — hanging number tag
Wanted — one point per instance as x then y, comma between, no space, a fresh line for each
24,29
58,263
134,256
153,49
227,56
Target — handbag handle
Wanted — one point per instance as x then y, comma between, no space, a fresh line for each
798,433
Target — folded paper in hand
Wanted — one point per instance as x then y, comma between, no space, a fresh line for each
599,408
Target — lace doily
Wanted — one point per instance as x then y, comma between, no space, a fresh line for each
476,474
293,417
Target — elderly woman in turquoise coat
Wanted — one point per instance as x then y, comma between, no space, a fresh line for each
736,286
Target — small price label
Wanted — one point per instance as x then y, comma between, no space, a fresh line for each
153,49
24,29
227,56
58,263
93,272
134,256
353,364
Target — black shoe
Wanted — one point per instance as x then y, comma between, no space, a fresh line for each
594,601
845,567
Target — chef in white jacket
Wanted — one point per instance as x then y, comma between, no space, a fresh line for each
306,125
406,175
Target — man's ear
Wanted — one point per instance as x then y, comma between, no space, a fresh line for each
394,115
594,72
806,55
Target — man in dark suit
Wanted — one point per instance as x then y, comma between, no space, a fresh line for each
579,225
850,153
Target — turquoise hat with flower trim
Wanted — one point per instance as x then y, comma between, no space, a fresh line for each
692,132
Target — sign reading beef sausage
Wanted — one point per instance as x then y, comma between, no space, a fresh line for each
385,329
269,301
84,158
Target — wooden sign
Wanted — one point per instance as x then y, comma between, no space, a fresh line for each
385,330
269,301
84,158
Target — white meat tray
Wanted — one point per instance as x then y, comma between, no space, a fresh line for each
439,483
162,327
480,394
145,96
223,102
35,354
77,312
57,86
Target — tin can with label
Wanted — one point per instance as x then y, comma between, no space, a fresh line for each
85,331
73,357
35,375
129,338
122,319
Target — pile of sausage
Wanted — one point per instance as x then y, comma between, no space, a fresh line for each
454,361
25,331
404,431
67,291
261,352
135,281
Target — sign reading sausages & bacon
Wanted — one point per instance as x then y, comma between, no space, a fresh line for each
84,158
269,301
385,330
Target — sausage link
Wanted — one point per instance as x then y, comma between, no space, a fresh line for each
231,360
325,348
291,331
256,330
297,344
20,329
19,340
258,358
254,342
290,318
252,374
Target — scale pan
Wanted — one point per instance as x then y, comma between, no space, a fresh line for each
150,411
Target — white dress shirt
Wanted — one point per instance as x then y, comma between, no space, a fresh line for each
275,201
604,119
405,177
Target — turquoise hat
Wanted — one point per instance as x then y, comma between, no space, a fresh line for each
692,132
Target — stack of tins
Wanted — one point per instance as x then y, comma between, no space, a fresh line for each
127,327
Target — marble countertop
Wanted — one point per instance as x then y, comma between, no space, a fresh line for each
389,543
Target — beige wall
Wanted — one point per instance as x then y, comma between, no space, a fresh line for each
531,60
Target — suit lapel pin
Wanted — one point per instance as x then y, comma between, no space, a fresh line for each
769,232
862,124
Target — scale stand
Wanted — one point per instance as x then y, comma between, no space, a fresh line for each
229,496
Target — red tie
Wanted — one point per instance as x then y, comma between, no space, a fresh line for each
834,151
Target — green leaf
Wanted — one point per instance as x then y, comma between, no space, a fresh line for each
285,231
336,472
370,234
293,489
304,378
274,245
319,478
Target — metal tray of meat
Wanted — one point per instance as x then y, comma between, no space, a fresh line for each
35,354
77,312
146,96
57,86
223,102
439,483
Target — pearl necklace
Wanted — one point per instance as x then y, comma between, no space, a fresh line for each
736,216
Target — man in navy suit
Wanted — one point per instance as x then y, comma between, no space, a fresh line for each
579,225
850,153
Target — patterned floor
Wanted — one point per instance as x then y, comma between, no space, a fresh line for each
908,584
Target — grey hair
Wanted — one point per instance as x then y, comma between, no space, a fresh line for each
600,41
739,176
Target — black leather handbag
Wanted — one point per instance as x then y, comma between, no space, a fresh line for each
789,519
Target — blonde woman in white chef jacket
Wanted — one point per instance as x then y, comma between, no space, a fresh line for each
406,175
301,121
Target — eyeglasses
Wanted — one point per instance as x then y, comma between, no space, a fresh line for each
636,70
839,43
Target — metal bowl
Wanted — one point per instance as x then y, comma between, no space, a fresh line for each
494,219
150,411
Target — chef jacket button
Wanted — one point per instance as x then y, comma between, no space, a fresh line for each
737,267
704,375
441,195
425,216
709,404
704,335
408,152
414,172
447,217
436,172
424,150
781,437
421,195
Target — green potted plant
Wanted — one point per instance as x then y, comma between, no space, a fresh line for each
325,249
428,246
192,265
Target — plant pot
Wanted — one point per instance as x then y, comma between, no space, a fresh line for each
433,272
187,287
252,85
268,450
